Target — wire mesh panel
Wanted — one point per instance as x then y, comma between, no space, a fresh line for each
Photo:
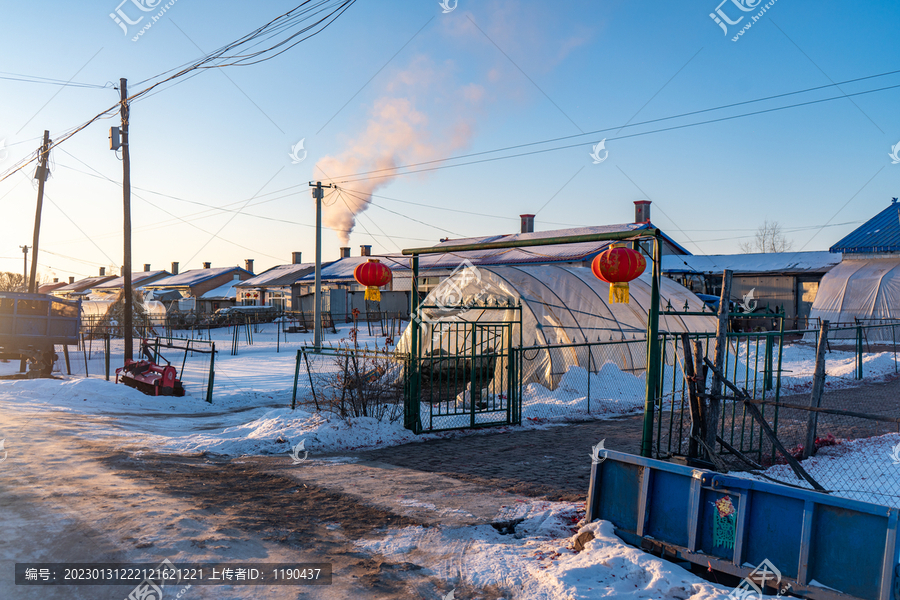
576,382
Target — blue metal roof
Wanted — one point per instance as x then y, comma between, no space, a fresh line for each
881,233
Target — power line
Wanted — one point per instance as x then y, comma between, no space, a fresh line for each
50,81
393,170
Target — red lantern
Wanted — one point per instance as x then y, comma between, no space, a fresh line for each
373,275
618,266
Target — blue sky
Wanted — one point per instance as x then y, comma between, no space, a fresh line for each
487,75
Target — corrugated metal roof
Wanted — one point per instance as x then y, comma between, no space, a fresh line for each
280,275
776,262
342,270
136,279
195,276
881,233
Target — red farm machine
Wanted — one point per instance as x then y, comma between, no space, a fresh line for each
150,377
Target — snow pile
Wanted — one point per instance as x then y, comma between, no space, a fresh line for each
539,562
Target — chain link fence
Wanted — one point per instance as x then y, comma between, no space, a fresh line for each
586,381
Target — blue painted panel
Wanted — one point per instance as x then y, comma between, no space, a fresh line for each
619,493
668,507
849,550
774,532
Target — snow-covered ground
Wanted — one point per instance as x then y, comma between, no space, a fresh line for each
867,469
538,560
251,414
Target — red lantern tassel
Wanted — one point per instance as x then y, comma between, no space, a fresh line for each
618,293
373,294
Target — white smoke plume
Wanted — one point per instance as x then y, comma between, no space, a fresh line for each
397,133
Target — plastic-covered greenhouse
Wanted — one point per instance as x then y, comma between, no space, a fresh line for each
867,290
560,306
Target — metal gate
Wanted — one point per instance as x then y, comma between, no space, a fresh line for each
752,362
464,375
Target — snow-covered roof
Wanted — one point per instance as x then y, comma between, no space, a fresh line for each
775,262
137,278
280,275
195,276
223,292
83,284
342,270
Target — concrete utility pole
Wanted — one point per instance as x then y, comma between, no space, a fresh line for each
318,194
126,202
41,175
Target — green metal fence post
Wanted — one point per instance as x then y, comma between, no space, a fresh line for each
296,379
652,354
859,352
212,373
412,395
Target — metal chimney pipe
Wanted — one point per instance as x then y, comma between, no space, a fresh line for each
295,258
174,268
527,223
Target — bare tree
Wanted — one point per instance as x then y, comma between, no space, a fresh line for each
769,238
12,282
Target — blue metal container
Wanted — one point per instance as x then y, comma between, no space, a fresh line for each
733,524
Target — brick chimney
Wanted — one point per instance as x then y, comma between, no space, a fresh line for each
174,268
527,223
56,280
641,211
345,252
207,265
146,267
248,264
102,271
295,258
365,250
71,280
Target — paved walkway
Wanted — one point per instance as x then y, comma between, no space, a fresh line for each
554,462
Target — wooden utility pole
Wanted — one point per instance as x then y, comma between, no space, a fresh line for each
318,194
41,174
126,202
25,266
818,388
712,417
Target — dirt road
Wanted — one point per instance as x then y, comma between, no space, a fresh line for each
67,496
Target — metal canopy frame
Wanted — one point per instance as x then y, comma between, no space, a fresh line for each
653,349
